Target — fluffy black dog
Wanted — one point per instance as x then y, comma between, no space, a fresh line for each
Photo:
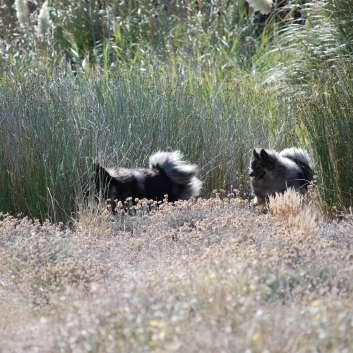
168,175
273,172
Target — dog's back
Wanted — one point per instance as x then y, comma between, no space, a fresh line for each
168,175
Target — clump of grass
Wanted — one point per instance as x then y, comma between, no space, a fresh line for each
303,53
293,209
326,116
283,206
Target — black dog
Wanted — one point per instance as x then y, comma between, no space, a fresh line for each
168,175
273,172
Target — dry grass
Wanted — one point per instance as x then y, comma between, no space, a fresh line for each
202,276
294,211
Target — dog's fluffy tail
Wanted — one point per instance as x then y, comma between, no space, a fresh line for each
297,154
181,173
301,157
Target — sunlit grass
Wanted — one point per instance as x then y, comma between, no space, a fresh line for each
114,82
206,275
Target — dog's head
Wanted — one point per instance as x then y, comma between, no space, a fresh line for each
100,180
261,163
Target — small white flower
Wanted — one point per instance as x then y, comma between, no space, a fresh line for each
264,6
21,11
44,22
43,320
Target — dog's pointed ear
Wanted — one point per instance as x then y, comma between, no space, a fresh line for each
99,170
96,167
254,153
263,153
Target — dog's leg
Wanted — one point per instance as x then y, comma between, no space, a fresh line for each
258,201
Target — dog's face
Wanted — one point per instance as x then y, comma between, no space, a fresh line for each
261,163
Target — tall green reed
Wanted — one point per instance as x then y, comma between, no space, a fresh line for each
300,54
327,118
96,35
313,71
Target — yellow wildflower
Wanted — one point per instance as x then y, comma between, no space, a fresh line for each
255,336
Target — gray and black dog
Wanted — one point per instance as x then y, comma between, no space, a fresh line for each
168,175
273,172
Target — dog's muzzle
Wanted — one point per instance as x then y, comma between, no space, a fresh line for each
256,177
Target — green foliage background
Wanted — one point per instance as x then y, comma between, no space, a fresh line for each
115,81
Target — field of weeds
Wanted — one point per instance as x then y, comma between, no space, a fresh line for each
212,275
115,81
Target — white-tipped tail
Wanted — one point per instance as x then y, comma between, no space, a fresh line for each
297,154
264,6
180,172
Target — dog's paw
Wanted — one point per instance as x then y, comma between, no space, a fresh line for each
254,202
258,202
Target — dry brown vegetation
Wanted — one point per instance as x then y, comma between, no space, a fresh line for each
211,275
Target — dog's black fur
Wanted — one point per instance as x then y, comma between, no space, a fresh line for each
167,175
274,172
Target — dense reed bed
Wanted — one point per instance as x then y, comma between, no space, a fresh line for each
53,130
108,82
